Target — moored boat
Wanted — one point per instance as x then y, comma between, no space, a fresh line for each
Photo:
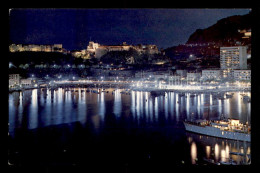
228,129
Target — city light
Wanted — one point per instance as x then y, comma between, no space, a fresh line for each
101,86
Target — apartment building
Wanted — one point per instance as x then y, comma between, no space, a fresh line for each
232,58
242,74
211,74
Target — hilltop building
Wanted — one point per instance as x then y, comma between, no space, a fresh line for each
92,47
36,48
99,50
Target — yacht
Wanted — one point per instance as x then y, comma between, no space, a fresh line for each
228,129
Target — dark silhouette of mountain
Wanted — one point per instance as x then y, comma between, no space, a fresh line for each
206,42
224,30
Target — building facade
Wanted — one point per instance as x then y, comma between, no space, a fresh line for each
193,76
211,74
242,74
174,80
26,82
100,50
35,48
232,58
14,80
182,73
92,47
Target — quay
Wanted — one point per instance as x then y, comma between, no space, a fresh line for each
128,85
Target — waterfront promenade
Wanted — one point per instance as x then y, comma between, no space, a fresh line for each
136,86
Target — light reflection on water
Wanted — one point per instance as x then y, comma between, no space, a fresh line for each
40,108
219,149
62,102
193,153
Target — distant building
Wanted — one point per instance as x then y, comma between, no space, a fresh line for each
193,76
144,74
161,75
26,82
182,73
174,79
232,58
247,33
92,47
76,54
99,50
102,50
242,74
211,74
150,49
14,80
35,48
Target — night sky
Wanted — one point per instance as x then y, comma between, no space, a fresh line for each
74,28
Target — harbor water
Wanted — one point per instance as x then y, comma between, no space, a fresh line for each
77,126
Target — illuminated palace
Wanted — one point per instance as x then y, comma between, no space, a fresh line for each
99,50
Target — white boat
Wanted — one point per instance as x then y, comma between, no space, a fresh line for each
228,129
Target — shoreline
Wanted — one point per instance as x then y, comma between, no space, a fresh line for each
124,86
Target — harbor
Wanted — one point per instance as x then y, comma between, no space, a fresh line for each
93,108
119,89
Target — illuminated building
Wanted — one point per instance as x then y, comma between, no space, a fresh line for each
92,47
232,58
182,73
211,74
247,33
193,76
100,50
36,48
26,82
242,74
175,79
14,80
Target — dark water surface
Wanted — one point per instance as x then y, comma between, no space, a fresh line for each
76,127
